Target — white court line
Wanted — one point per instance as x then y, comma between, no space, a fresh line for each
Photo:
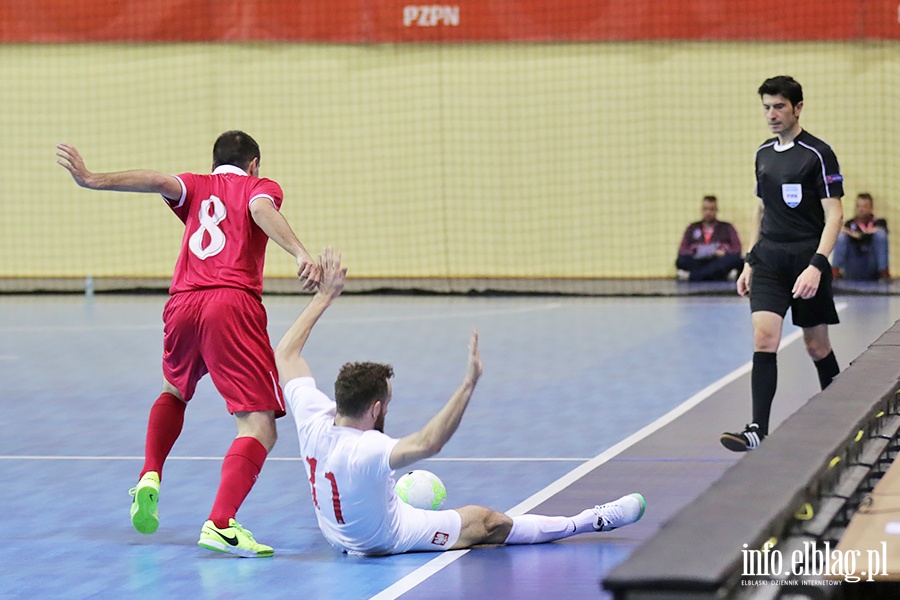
433,566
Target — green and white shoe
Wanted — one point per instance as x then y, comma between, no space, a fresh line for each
233,539
144,513
619,513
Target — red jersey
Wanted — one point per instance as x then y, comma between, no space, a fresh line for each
222,245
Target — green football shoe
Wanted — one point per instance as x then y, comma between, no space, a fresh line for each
144,513
233,539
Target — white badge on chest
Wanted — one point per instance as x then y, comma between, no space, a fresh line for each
792,194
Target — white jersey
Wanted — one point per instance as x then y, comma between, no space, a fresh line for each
349,473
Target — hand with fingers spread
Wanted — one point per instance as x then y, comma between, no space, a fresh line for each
333,277
70,159
136,180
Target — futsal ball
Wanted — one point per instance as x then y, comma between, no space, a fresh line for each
421,489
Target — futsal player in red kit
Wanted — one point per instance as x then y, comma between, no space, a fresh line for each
214,321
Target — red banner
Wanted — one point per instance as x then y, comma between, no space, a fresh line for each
390,21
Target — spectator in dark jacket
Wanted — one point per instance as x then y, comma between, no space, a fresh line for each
710,249
861,250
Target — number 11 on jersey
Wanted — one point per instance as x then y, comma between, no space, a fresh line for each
335,494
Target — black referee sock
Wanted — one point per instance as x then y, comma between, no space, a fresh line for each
828,369
763,381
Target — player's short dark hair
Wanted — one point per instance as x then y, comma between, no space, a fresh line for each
360,384
710,198
235,148
866,196
783,85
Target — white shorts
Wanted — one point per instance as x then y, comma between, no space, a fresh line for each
419,531
426,530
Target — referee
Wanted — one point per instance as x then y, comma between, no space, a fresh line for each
799,216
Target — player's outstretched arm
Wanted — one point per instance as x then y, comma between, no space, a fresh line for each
429,440
273,223
150,182
287,354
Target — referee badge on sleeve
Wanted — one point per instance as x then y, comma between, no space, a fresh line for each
792,194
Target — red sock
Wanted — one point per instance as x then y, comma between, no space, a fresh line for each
240,469
166,421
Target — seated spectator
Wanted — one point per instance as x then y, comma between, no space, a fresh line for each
710,249
861,250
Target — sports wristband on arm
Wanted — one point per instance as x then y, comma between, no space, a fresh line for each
820,261
750,258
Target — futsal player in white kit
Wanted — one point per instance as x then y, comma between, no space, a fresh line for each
350,462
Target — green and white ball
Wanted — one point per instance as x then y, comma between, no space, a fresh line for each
421,489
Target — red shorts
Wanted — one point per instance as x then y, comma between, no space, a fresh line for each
221,332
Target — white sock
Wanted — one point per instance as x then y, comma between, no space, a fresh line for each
584,521
537,529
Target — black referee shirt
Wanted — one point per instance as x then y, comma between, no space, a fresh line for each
792,182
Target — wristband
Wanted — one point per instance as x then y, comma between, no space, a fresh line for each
749,258
820,261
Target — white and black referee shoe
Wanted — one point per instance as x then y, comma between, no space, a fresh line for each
746,440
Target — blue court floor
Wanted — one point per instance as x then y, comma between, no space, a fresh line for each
568,384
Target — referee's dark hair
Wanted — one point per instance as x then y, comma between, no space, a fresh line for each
235,148
783,85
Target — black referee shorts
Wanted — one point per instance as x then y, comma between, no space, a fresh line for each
776,266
